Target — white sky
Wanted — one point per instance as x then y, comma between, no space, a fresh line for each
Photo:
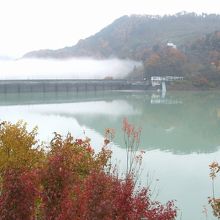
27,25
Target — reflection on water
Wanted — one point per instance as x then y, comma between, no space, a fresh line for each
180,132
161,99
180,122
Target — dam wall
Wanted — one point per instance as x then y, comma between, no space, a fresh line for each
28,86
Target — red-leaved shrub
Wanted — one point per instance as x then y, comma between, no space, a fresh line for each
70,181
107,197
68,164
19,195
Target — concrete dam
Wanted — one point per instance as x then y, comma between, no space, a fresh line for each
69,85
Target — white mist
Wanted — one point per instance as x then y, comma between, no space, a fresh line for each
77,68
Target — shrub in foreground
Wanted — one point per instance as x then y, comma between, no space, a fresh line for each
19,194
69,162
21,158
69,182
108,197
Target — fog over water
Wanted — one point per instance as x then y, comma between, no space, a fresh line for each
76,68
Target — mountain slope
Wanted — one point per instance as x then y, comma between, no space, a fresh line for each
132,36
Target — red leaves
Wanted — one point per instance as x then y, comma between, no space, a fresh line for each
79,141
19,194
130,131
103,196
214,202
71,184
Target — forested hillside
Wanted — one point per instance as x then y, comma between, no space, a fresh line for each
132,36
184,44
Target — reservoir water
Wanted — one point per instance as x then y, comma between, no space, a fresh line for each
180,134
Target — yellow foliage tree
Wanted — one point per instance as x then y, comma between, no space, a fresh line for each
18,147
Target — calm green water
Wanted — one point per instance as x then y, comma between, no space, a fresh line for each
180,134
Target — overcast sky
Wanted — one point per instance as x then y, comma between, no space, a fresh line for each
27,25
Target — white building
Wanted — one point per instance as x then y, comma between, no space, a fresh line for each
169,44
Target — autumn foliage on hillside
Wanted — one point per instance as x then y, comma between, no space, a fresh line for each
69,181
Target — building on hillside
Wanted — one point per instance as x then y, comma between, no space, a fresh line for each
169,44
